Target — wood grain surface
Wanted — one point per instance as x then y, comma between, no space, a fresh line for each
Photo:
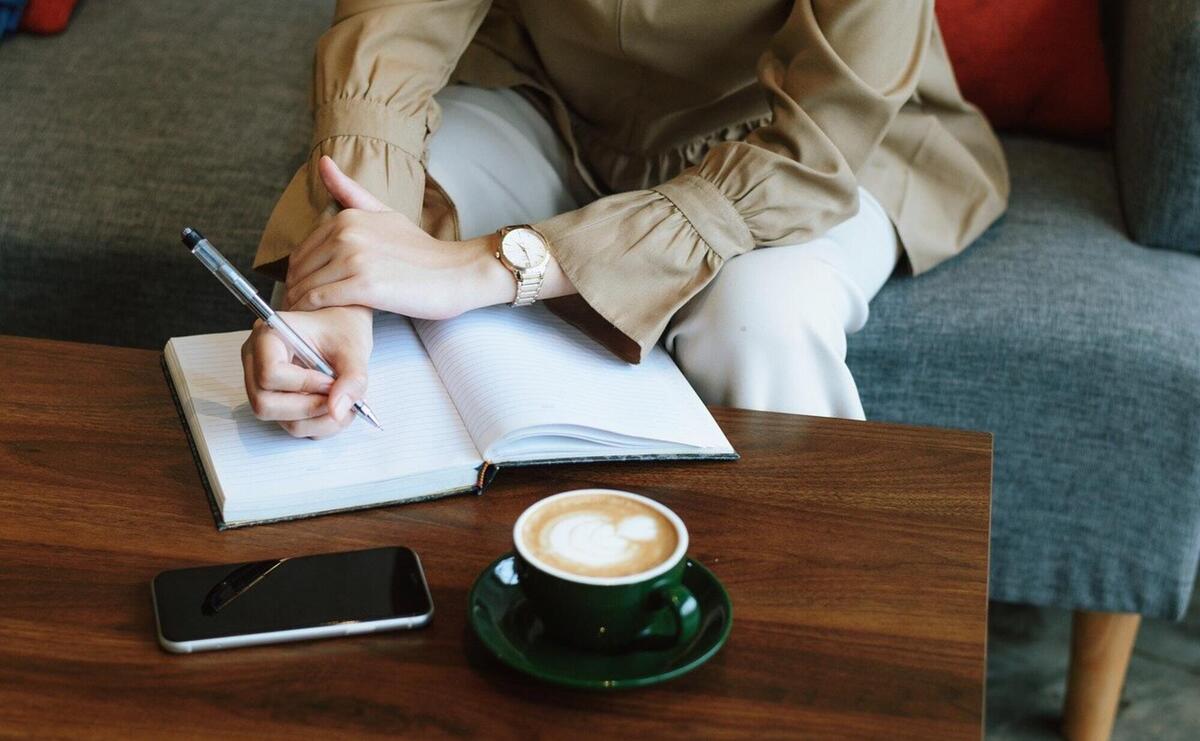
855,554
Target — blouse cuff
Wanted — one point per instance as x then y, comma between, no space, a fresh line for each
388,168
710,213
637,257
370,119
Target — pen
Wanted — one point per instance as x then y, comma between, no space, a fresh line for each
240,287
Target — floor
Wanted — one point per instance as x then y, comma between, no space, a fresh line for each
1027,664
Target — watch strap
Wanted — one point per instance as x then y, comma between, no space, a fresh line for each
529,280
529,285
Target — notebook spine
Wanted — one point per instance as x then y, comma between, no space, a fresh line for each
487,472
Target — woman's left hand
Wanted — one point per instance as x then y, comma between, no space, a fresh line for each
370,255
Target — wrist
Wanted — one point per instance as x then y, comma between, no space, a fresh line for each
494,283
361,316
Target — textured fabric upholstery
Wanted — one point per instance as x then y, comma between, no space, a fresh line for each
140,119
1158,122
1077,348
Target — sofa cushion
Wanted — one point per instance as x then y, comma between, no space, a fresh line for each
1077,348
140,119
1158,122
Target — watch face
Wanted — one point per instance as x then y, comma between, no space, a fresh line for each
524,249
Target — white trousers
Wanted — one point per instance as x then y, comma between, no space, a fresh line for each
768,333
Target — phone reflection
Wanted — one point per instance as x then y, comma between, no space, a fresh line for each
238,582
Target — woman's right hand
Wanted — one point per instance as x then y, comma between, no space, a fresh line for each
305,402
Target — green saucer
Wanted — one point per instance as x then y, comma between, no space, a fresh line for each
507,626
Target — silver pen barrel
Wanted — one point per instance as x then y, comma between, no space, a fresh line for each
227,274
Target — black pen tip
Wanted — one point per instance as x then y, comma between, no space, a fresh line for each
191,237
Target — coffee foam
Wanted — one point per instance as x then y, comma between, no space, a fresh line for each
599,535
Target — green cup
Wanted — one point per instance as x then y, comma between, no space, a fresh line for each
647,610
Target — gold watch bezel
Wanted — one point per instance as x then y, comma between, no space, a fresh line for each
512,267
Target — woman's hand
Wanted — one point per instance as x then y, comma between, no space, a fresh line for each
305,402
370,255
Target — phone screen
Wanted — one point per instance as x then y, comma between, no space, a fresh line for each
209,602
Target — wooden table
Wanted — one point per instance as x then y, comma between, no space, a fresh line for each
855,554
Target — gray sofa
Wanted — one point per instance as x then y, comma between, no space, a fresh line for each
1078,346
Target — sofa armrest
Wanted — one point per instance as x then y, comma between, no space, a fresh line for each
1158,122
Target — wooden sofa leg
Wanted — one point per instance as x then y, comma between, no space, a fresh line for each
1101,644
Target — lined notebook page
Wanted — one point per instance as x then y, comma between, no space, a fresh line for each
257,463
510,370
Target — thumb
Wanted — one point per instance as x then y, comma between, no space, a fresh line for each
350,386
345,190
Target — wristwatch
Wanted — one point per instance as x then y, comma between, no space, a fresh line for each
524,252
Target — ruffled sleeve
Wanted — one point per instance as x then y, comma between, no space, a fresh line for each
376,72
836,75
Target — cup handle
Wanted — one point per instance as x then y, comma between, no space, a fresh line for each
686,611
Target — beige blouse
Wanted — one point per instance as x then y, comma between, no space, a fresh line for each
706,128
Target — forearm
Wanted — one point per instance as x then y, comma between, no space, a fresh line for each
369,255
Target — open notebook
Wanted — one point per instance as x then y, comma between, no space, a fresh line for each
457,399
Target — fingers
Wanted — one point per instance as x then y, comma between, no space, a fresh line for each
350,387
351,383
317,428
291,377
348,292
276,388
345,190
279,406
261,351
331,272
309,256
306,257
347,391
269,366
305,402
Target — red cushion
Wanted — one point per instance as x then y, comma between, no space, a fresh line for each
1034,65
47,16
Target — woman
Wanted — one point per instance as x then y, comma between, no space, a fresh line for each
652,146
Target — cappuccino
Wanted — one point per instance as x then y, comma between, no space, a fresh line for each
598,534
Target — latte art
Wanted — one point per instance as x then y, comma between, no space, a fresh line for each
590,539
602,535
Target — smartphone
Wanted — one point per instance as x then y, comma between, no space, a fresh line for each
290,599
